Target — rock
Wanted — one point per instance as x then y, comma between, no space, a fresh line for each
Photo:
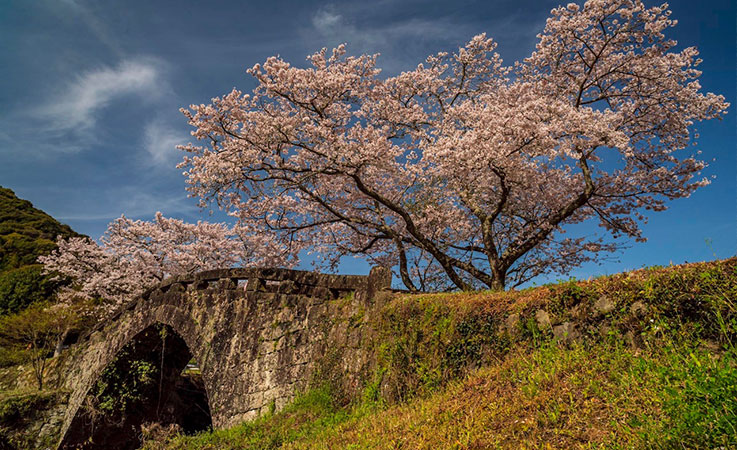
638,309
288,287
380,278
255,284
566,332
604,305
198,285
227,284
579,312
512,325
629,338
543,320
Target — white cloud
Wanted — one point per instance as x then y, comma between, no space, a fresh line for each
324,20
160,141
108,203
77,107
405,40
96,26
395,40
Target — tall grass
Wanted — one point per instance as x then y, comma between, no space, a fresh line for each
448,375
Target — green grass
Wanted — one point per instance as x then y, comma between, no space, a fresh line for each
601,396
306,418
17,409
448,374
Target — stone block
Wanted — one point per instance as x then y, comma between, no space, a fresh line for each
255,285
543,320
512,324
288,287
227,284
638,309
603,305
566,332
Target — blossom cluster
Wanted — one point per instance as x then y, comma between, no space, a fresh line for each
472,167
135,255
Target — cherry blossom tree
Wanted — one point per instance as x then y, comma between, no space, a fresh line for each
136,255
473,168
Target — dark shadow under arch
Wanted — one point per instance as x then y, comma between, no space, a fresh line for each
149,381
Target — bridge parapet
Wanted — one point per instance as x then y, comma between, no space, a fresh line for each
258,335
266,280
281,280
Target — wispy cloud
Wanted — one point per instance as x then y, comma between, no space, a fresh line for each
160,140
90,92
134,202
96,26
404,40
325,21
395,40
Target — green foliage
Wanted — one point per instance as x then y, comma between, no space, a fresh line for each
23,286
129,379
25,232
118,390
17,410
426,341
12,356
35,332
699,400
308,417
603,395
704,411
17,407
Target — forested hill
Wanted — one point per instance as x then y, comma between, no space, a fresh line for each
25,232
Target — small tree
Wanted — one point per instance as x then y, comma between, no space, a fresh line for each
23,286
136,255
35,332
471,167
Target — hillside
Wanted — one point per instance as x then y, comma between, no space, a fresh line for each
25,234
645,359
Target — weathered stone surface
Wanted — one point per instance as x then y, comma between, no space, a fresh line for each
566,332
603,305
638,309
543,320
255,346
512,324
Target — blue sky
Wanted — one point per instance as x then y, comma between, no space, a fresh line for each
90,95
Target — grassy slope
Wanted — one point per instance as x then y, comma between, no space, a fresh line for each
25,232
658,371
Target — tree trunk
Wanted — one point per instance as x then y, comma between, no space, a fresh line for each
38,369
403,271
499,278
60,343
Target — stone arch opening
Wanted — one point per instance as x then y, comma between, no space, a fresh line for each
152,380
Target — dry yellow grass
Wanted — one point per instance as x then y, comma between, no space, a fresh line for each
460,384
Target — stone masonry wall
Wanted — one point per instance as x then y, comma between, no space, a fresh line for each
257,334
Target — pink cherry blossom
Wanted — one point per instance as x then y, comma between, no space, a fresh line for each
135,255
463,166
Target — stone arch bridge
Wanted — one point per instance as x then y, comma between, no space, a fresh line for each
256,335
